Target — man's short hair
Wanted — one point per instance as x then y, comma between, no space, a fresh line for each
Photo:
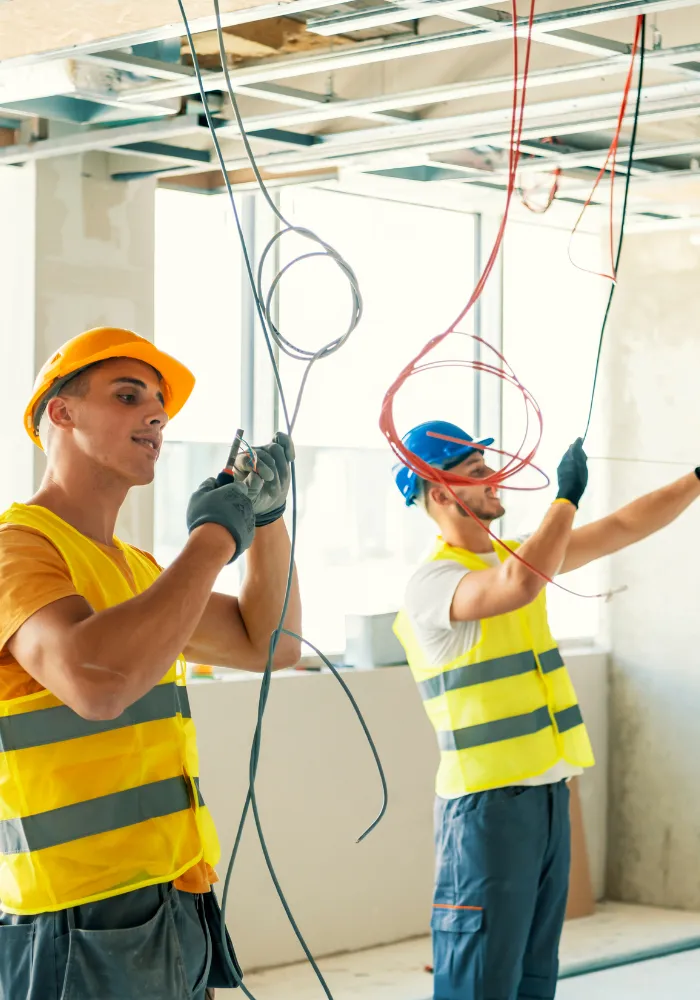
75,387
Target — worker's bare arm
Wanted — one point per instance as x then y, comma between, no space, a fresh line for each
631,523
512,585
99,663
235,632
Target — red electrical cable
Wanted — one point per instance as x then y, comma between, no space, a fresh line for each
611,156
516,462
553,192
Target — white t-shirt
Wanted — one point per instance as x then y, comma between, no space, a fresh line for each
427,603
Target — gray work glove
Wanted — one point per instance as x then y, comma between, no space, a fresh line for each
572,473
274,469
230,505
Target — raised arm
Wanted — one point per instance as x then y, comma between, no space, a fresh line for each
100,663
512,585
632,523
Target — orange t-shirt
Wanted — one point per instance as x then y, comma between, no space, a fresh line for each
34,574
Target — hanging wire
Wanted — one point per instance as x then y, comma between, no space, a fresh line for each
262,306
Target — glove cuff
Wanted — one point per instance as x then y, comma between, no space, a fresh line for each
243,539
563,498
697,472
261,520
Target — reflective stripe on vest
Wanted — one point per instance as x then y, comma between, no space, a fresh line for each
504,710
489,670
88,808
54,725
508,729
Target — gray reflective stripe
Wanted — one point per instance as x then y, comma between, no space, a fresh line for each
54,725
199,792
568,718
551,660
87,819
183,701
478,673
494,732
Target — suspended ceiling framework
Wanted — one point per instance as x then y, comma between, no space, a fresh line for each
414,90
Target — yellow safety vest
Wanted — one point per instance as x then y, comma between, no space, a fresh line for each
88,809
505,710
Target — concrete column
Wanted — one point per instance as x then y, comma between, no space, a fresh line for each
650,363
17,208
92,242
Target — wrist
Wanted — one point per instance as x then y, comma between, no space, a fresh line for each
215,542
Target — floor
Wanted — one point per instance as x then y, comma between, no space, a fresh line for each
397,972
676,977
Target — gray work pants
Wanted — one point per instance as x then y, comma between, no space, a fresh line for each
152,943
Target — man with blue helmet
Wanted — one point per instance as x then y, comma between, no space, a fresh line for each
510,731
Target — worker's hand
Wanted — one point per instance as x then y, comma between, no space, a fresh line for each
273,467
231,506
572,473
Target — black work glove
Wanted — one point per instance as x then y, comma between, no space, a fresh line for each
230,505
572,474
273,466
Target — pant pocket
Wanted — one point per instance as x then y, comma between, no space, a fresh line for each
128,963
458,952
15,960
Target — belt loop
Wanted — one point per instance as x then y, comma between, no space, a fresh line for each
70,917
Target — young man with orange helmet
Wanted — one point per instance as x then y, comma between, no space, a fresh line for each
107,849
510,731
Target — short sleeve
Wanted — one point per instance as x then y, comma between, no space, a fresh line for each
33,575
430,592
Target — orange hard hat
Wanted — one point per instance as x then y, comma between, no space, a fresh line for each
99,345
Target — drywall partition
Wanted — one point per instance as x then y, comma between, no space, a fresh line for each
318,790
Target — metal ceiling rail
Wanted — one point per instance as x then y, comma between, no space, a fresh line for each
467,131
321,110
280,68
105,139
390,13
173,29
596,157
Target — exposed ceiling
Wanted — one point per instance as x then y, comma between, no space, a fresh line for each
418,90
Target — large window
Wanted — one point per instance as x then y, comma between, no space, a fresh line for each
198,282
552,313
358,543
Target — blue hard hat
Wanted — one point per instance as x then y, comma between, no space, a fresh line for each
435,451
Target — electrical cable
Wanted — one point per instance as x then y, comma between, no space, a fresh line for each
273,336
639,34
642,28
288,348
518,462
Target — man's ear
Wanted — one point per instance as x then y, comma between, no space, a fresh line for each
439,496
58,411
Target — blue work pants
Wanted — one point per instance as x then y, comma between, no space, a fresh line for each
502,880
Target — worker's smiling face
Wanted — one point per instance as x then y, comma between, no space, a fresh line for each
483,501
116,418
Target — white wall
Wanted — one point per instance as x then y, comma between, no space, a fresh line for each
319,790
651,361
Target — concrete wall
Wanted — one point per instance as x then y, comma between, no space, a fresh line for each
651,362
78,254
318,790
17,209
94,267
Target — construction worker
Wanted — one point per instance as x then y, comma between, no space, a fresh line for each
510,731
107,850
